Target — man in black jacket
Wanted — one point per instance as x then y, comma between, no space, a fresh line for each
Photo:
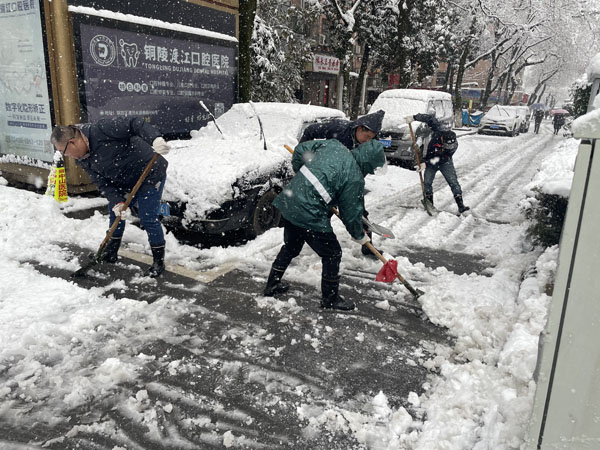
351,134
441,147
114,153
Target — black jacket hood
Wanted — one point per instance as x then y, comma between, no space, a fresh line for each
371,121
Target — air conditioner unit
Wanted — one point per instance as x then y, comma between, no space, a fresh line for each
322,39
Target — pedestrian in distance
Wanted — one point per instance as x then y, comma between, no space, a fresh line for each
558,121
537,117
327,175
351,134
438,157
114,153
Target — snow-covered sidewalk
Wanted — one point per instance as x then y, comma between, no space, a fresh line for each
127,374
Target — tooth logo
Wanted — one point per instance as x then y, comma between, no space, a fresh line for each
129,53
103,50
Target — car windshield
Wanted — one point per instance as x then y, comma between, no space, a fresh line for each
501,112
280,122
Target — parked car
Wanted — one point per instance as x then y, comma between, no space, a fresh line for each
226,180
399,103
525,117
501,120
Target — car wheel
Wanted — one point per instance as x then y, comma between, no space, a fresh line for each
264,215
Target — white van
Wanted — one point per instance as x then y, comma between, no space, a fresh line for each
399,103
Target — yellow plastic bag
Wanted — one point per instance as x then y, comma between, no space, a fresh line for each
57,183
60,191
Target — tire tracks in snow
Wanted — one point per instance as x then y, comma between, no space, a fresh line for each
492,181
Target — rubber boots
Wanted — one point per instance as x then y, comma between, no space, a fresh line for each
158,265
331,299
430,198
274,284
461,206
111,250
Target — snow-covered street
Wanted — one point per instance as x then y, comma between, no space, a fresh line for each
120,361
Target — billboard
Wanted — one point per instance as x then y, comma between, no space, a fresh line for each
25,115
160,75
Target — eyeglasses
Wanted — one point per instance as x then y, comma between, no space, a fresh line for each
65,149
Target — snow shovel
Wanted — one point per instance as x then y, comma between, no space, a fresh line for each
389,272
373,227
389,269
426,202
98,257
378,229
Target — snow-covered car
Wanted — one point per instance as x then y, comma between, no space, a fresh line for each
399,103
226,180
501,120
525,117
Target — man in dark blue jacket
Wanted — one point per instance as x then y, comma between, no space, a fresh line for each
441,147
351,134
114,153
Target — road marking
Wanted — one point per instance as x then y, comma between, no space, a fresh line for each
204,276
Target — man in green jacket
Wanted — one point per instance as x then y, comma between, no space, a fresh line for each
327,175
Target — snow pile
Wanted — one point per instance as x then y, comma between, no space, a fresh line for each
482,396
588,125
555,175
499,392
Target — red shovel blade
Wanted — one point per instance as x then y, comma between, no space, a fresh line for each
388,272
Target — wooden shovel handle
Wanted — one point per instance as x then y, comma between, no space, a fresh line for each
416,149
115,223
